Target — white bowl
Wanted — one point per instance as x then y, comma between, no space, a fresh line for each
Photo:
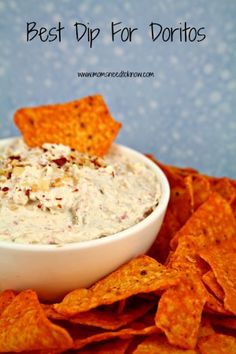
53,271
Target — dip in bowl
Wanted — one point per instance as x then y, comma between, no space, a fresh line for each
68,219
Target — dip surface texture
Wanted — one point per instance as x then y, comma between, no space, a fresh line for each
55,195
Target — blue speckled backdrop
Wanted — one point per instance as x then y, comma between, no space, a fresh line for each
185,115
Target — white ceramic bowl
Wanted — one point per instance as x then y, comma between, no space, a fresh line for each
53,271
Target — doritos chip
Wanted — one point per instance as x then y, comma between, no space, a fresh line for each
181,202
115,346
125,333
6,298
215,306
24,327
179,312
222,260
158,344
161,247
85,125
212,223
104,318
224,187
210,281
201,190
141,275
217,344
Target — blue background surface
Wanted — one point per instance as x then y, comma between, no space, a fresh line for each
186,115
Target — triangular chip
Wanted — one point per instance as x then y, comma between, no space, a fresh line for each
124,333
179,312
115,346
210,281
141,275
217,344
85,125
24,327
161,247
6,298
105,318
222,260
212,223
158,344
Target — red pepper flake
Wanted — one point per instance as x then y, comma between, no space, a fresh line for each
27,193
75,190
59,206
60,162
58,198
39,206
9,175
5,189
14,158
96,163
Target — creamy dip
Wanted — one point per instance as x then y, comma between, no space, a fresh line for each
55,195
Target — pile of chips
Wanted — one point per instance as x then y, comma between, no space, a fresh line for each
180,298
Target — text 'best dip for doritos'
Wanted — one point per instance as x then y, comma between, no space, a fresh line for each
54,194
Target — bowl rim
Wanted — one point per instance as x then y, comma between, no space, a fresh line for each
160,208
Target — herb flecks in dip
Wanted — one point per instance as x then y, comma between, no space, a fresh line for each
55,195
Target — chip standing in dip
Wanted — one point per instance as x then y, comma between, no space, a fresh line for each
56,195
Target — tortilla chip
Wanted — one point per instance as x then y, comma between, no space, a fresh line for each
210,281
179,312
181,202
6,298
214,306
212,223
141,275
224,187
115,346
217,344
125,333
201,190
85,125
158,344
161,247
104,318
24,327
222,259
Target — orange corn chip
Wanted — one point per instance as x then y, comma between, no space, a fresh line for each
212,223
116,346
158,344
105,318
161,247
224,187
6,298
181,202
210,281
214,306
179,312
141,275
201,190
217,344
222,259
24,327
125,333
85,125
